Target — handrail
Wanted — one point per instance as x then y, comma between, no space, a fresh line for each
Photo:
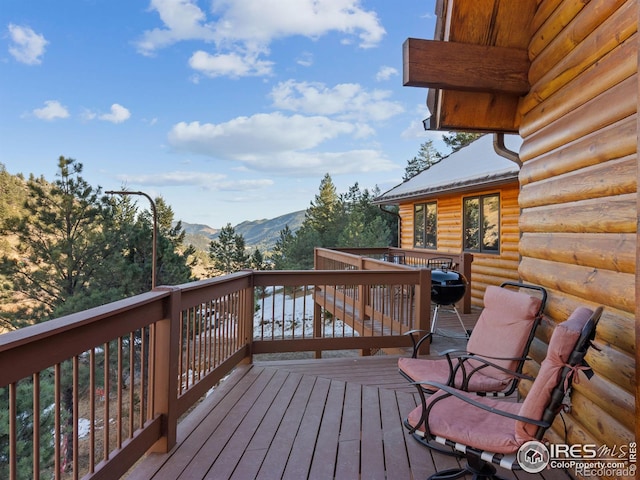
349,258
132,367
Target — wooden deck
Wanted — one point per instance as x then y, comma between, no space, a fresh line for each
294,419
318,419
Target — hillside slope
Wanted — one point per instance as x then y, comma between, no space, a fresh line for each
261,234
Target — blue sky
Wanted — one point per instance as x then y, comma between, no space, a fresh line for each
231,110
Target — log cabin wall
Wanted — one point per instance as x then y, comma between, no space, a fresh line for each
578,197
486,269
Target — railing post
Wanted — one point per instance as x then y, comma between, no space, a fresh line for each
465,268
423,306
363,295
247,316
164,375
364,298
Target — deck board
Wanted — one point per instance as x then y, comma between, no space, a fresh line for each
317,419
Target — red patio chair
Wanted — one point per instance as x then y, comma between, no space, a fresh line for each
490,431
496,350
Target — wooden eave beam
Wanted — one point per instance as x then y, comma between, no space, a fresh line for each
465,66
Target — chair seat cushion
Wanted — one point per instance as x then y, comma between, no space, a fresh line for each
456,420
437,370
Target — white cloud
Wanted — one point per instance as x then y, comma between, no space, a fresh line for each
274,132
305,59
262,21
27,46
385,73
88,115
346,100
314,164
230,64
118,114
176,179
208,181
183,20
52,110
279,144
242,30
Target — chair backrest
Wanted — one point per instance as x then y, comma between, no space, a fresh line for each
505,328
568,346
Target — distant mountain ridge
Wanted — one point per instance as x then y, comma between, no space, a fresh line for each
262,234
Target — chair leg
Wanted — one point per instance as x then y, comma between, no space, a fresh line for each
480,470
449,474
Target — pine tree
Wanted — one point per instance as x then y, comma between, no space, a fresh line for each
175,259
365,225
325,215
458,140
228,251
258,262
282,251
60,242
427,156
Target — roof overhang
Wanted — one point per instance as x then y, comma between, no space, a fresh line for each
462,186
476,68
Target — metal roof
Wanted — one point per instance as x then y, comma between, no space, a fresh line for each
475,166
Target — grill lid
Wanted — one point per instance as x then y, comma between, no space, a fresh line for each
447,277
447,286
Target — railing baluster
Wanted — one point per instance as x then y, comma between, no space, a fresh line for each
75,418
92,410
143,375
36,425
119,399
57,438
13,441
132,373
105,414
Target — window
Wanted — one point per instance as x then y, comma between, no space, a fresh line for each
482,223
425,225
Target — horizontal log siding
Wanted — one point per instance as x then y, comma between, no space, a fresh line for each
486,269
406,225
578,197
450,224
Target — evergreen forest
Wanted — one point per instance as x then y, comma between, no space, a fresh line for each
66,245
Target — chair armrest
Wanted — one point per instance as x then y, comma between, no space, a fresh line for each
453,351
463,353
417,343
486,363
449,391
477,356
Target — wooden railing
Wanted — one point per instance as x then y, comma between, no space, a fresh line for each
374,259
87,395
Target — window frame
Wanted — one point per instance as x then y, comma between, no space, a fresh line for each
481,227
423,227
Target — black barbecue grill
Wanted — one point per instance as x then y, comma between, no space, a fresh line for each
447,288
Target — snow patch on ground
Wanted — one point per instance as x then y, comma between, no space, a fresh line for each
283,316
